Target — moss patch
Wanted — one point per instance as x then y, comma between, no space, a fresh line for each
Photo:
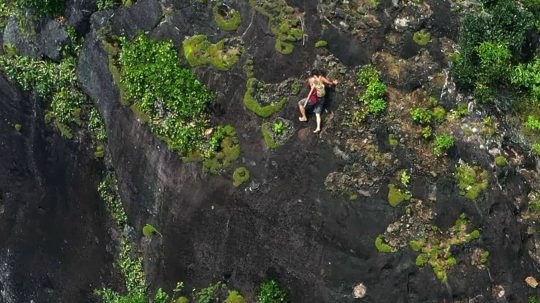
321,43
472,180
228,19
422,37
382,246
199,51
277,132
501,161
396,195
436,248
252,104
284,23
240,176
227,153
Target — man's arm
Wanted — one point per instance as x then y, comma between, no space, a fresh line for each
327,81
309,95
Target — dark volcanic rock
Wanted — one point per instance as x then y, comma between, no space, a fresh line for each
52,223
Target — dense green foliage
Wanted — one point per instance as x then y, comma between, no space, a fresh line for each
271,292
40,8
491,43
374,97
169,95
235,297
108,191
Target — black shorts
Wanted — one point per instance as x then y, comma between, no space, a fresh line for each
317,107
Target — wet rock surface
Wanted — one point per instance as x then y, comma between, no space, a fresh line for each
296,221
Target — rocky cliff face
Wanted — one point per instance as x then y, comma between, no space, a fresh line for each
287,223
54,241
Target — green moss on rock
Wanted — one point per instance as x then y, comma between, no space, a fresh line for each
227,153
382,246
284,23
501,161
252,104
228,19
199,51
321,43
472,180
396,195
422,37
240,176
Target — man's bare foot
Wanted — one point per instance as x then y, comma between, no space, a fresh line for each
317,131
302,119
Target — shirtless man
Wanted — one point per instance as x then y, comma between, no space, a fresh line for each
315,98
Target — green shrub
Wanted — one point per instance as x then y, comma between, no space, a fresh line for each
503,27
421,115
495,62
422,37
528,77
442,144
533,123
368,74
374,98
166,93
533,299
227,19
271,292
427,132
240,176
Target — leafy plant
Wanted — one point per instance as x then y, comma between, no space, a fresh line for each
405,178
533,123
271,292
279,127
442,144
421,115
375,95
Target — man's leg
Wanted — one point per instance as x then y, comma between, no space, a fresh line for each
302,111
318,129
